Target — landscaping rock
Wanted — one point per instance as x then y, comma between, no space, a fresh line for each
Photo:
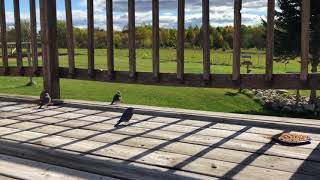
282,100
282,91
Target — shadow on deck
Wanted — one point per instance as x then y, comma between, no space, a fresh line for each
158,144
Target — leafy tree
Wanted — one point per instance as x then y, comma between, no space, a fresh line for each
288,33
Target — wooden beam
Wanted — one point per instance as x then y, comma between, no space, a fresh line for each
155,39
132,38
305,19
248,81
33,29
90,37
69,37
206,39
3,35
51,62
110,37
270,40
180,43
237,40
17,23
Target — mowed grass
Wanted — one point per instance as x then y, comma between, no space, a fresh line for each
178,97
222,100
221,61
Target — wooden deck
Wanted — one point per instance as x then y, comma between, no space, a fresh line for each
77,140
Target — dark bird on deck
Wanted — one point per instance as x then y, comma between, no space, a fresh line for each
45,99
126,116
116,98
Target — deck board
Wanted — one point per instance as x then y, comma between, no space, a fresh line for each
178,147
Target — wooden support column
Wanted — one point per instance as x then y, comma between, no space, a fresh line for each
180,45
90,38
132,38
33,29
270,40
206,39
155,39
17,24
305,21
69,37
110,52
3,35
49,43
237,40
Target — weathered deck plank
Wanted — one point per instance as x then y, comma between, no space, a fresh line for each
157,158
214,153
177,146
28,169
240,145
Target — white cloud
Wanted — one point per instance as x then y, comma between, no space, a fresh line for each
221,13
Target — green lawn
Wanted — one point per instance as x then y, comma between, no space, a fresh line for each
223,100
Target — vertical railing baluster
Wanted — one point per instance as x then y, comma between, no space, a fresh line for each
43,24
305,21
180,43
69,37
132,38
155,39
3,35
110,47
33,29
270,40
17,23
90,37
206,39
237,40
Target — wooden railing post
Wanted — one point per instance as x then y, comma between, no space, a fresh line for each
305,21
206,39
33,29
180,44
17,25
155,39
50,49
69,37
132,38
3,36
110,52
237,40
270,40
90,15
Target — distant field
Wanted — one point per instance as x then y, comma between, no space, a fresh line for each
221,60
223,100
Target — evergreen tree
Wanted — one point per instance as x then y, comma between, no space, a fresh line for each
288,33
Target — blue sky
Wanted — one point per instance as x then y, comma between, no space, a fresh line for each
221,12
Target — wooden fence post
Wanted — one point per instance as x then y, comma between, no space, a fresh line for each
49,43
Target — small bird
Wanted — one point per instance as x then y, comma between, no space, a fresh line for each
126,116
45,99
116,98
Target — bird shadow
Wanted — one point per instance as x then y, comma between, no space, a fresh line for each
231,94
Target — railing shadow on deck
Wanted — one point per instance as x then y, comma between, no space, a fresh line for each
90,163
233,172
274,124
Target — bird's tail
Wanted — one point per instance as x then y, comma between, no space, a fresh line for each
112,103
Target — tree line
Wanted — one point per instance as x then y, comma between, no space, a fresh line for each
220,37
